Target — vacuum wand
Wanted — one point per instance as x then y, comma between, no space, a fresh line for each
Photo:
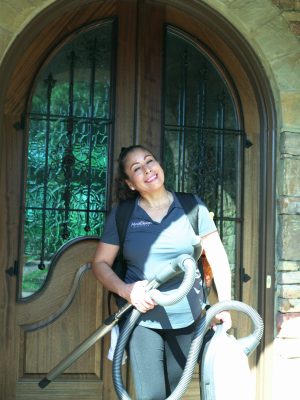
107,326
169,271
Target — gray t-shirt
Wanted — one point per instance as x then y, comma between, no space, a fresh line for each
148,245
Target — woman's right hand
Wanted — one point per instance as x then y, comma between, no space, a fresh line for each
138,296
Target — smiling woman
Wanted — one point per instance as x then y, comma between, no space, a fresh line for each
158,232
146,176
144,173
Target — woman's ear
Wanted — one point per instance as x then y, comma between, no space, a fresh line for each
129,184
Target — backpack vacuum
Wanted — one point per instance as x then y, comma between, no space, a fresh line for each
221,355
225,373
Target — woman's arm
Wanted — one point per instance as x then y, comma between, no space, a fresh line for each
218,260
102,269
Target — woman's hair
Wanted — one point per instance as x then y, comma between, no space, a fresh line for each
122,190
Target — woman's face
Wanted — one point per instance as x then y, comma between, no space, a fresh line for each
144,172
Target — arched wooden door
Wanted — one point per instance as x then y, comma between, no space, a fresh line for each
43,328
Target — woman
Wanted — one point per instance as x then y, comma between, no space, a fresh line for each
158,232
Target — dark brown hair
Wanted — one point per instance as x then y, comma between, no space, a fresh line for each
122,190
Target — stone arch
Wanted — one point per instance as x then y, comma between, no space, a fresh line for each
261,25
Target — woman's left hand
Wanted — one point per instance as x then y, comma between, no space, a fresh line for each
139,298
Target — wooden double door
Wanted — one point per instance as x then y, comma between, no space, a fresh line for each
39,332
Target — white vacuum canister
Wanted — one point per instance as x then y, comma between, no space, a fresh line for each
225,372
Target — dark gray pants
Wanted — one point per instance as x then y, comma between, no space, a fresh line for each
157,359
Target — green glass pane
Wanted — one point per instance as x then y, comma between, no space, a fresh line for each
70,125
203,150
194,87
78,78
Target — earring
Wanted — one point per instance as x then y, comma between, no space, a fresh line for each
132,188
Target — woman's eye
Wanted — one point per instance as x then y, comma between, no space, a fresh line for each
136,169
149,162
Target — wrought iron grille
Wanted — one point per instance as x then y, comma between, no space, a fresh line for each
70,128
203,143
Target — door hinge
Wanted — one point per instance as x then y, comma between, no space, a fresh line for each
20,125
245,276
248,143
13,271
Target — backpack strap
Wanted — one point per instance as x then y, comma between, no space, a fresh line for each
190,205
123,214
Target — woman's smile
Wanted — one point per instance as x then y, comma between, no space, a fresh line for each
151,178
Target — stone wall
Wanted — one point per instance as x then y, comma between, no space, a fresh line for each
287,342
14,16
286,348
291,13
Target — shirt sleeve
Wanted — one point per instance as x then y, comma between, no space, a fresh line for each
110,232
206,223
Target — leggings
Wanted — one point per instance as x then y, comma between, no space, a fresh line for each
157,359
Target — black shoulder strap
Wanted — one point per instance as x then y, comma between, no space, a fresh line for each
190,206
123,214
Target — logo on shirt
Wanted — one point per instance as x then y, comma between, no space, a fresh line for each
139,224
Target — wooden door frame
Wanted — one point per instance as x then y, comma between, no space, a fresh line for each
11,109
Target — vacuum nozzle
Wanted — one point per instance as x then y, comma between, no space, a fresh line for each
43,383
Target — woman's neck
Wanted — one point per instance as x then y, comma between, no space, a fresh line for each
156,207
158,200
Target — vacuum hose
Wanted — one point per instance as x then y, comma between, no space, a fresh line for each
249,343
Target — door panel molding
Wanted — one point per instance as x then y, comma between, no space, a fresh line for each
61,285
52,324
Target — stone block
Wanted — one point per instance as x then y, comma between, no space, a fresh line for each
285,370
289,205
288,266
288,278
287,71
15,13
290,143
251,15
284,4
295,27
288,325
5,38
276,40
291,15
288,348
293,19
289,176
289,291
288,305
288,237
290,101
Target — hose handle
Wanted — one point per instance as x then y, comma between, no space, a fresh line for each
248,343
